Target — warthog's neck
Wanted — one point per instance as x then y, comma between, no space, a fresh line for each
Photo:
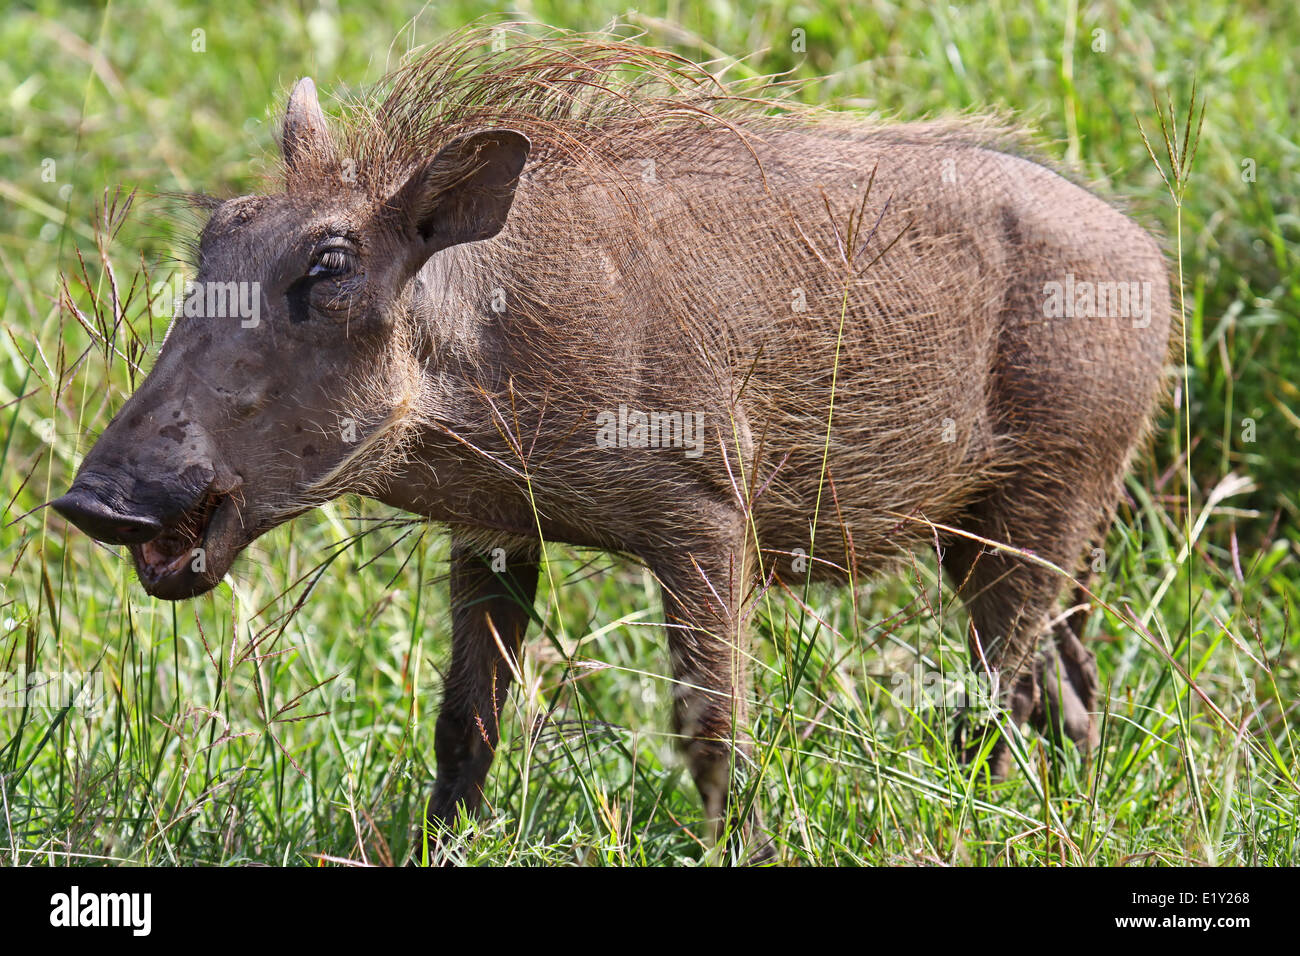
461,468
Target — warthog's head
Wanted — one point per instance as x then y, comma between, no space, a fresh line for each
290,356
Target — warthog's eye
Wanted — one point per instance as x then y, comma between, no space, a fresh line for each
332,258
331,284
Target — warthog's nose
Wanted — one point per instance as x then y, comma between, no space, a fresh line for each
103,523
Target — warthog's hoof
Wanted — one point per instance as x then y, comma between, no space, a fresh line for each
1066,674
1058,697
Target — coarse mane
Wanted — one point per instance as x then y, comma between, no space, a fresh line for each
585,101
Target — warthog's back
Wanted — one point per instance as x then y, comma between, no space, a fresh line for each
716,280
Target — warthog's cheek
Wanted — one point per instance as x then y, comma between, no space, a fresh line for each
194,553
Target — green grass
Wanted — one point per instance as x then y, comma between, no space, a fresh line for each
236,730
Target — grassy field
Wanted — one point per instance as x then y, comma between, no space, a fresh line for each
287,717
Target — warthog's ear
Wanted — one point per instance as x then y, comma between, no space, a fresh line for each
465,192
305,132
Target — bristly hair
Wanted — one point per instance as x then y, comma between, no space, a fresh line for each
593,106
582,99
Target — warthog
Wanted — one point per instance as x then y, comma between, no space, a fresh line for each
479,290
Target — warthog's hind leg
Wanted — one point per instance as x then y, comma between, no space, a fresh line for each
1045,675
709,649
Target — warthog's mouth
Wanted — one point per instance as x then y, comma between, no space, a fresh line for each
194,550
175,547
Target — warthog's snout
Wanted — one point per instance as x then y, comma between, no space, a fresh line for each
102,521
166,497
181,546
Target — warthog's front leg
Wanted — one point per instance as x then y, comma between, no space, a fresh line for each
486,605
